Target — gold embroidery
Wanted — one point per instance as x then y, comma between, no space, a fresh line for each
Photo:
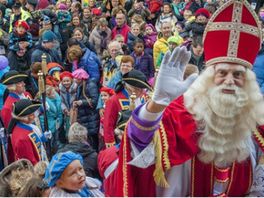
193,172
133,121
165,146
230,60
33,140
231,179
159,175
125,187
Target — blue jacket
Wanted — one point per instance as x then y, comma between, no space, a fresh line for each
259,71
52,55
91,64
2,87
54,114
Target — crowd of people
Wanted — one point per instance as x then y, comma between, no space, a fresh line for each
84,86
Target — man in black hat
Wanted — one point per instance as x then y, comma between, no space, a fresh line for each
133,82
16,86
27,139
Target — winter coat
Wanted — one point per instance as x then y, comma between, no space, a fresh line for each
259,71
3,88
54,114
160,46
88,116
150,39
144,64
15,39
21,64
89,157
109,69
100,40
91,64
52,55
131,39
123,31
67,97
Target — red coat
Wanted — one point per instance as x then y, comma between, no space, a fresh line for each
178,137
26,144
123,31
116,103
8,107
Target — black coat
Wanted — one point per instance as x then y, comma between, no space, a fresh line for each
88,115
89,157
20,64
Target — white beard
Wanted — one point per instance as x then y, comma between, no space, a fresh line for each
229,118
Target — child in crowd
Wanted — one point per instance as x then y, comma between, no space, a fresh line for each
20,37
66,177
143,61
133,35
106,93
173,42
63,15
68,91
150,37
54,115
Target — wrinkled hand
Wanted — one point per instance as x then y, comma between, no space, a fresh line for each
48,134
101,112
170,84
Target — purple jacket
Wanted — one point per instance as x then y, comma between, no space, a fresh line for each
150,39
144,64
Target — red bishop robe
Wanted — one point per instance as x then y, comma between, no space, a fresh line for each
177,137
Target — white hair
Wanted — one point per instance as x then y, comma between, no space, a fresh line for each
77,133
229,118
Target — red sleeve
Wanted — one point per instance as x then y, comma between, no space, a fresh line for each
24,149
180,128
6,116
110,119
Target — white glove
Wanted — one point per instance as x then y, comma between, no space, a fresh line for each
48,134
170,84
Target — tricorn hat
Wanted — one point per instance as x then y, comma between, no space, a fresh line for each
233,35
13,77
25,107
137,79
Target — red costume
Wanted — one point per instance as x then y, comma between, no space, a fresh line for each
8,106
232,30
26,144
116,103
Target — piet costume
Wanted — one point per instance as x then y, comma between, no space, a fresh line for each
120,101
160,157
27,139
10,78
56,167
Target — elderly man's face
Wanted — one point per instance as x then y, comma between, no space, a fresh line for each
230,74
20,87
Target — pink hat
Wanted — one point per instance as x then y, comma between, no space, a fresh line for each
80,74
62,6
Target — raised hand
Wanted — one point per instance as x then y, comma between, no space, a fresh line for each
170,83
